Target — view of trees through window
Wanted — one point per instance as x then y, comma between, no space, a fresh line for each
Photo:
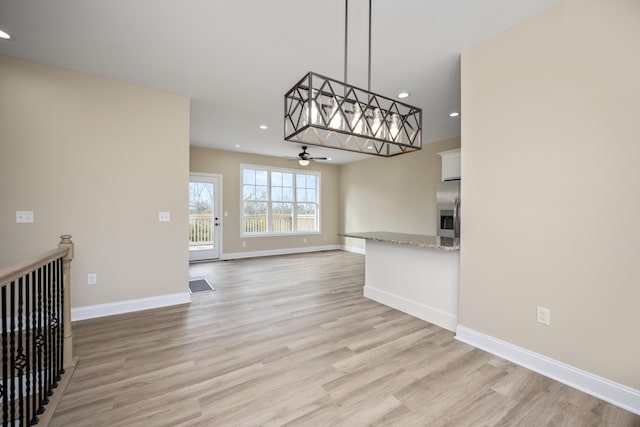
200,197
279,200
200,215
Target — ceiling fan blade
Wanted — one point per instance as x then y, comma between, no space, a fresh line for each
305,156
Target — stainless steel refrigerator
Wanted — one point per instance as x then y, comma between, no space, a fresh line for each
448,203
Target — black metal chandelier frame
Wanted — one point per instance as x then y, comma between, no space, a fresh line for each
326,112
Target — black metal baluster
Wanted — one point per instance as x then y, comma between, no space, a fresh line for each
60,318
45,334
54,325
12,350
40,343
27,349
62,315
34,347
19,357
47,318
55,376
5,358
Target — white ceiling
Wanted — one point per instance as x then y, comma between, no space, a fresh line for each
236,59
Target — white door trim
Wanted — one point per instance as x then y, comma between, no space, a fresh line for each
218,231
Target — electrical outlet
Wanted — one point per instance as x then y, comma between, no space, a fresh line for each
304,240
164,216
543,315
244,244
92,278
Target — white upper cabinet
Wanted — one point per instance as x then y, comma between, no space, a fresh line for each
450,164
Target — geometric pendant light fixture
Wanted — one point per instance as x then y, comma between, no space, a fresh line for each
322,111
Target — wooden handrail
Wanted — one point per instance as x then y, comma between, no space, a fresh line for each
64,250
9,274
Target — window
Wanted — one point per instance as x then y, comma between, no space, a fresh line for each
279,201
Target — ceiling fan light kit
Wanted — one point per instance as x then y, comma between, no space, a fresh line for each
305,158
322,111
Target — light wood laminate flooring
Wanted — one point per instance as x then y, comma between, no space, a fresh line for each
290,340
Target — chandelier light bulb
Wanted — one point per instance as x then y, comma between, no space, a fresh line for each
316,117
376,127
358,124
311,116
337,121
394,128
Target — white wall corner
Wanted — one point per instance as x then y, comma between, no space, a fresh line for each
602,388
121,307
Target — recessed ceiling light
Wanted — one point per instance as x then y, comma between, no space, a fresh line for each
403,95
237,145
264,127
454,114
328,158
4,35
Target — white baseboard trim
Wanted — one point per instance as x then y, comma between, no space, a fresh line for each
101,310
421,311
361,251
286,251
609,391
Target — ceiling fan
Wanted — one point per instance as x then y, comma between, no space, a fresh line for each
305,158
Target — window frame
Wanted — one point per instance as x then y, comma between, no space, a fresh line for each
270,232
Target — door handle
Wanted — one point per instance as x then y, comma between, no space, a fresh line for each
456,218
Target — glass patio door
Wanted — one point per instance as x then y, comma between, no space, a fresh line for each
204,217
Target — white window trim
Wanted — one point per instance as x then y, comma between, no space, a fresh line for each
270,169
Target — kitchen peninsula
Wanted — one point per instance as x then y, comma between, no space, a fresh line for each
413,273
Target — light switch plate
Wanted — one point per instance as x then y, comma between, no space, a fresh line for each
24,217
92,278
164,216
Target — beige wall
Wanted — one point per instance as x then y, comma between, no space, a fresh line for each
227,164
396,194
95,159
551,186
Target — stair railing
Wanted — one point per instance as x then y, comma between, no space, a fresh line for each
35,320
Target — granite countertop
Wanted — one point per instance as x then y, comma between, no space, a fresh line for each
417,240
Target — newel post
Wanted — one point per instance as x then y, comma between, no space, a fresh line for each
65,242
